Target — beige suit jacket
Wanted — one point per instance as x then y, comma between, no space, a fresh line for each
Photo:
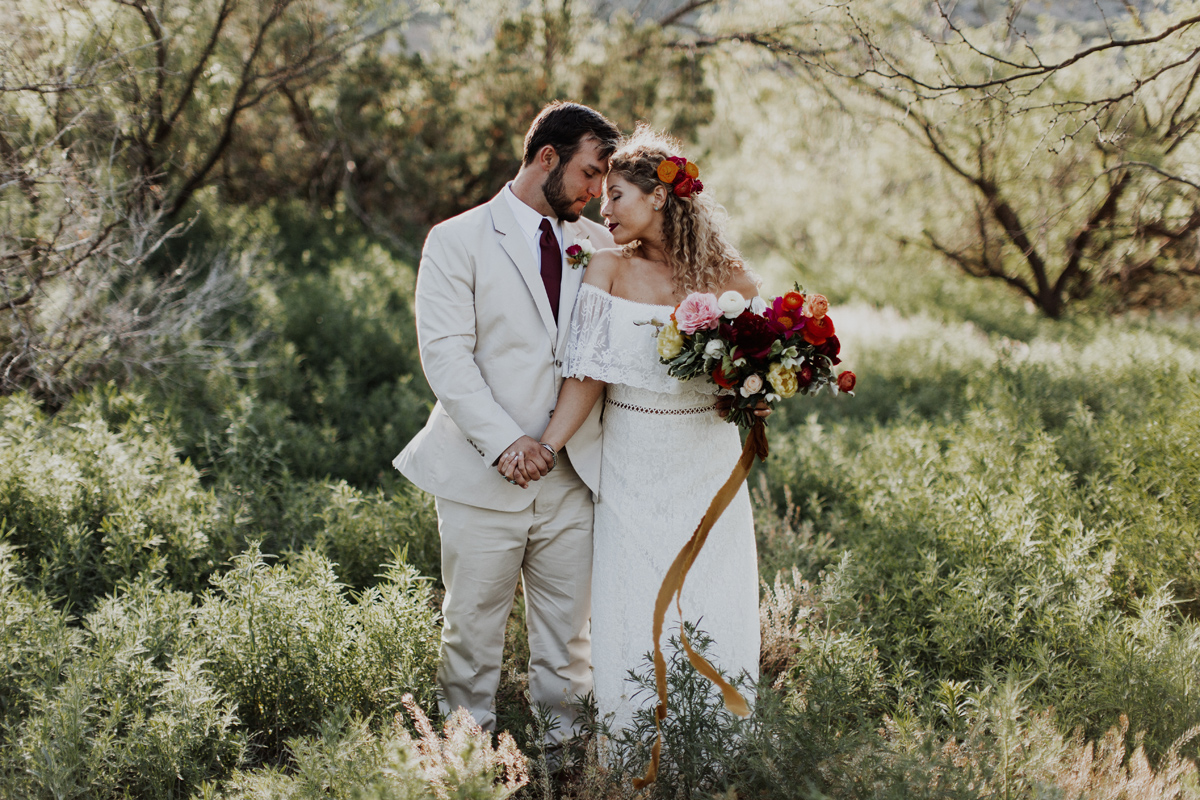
493,355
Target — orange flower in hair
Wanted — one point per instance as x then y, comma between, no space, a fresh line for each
681,175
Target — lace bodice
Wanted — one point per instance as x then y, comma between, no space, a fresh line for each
613,340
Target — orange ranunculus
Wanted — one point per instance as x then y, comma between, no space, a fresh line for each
667,170
793,300
692,170
719,378
816,331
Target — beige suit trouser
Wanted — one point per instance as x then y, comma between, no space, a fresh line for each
549,544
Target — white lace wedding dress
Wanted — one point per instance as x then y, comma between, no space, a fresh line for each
666,453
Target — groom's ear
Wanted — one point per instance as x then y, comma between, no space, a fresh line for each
547,158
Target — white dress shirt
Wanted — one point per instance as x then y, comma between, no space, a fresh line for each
531,225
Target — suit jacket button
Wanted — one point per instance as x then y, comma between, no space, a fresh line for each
558,363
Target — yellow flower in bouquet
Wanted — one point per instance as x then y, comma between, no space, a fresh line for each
783,380
670,340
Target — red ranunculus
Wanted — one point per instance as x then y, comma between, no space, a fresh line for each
719,378
830,350
846,381
804,376
574,250
816,331
684,187
792,301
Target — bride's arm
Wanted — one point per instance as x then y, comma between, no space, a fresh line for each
575,401
577,396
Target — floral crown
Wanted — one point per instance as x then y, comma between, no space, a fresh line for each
681,175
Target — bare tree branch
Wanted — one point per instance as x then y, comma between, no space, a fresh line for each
671,17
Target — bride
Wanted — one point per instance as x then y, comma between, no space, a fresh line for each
666,449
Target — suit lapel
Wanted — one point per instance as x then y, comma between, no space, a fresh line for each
572,277
514,243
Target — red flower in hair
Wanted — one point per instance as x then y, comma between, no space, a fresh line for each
681,175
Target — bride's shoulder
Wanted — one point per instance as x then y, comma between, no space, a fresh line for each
745,282
603,268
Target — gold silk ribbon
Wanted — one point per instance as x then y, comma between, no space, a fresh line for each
672,586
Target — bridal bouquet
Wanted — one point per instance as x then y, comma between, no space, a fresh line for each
754,350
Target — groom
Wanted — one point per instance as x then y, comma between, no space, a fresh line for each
493,304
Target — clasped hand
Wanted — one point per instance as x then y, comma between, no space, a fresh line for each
524,461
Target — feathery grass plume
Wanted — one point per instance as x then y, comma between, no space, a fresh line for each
462,758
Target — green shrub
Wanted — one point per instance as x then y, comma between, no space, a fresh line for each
290,647
90,504
331,386
361,530
1023,533
36,641
124,707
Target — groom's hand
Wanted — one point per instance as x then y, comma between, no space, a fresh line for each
524,461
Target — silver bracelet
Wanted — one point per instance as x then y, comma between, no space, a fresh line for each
553,454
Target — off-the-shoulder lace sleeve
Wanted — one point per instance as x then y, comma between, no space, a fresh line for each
591,352
612,340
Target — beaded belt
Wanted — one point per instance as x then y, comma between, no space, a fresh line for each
645,410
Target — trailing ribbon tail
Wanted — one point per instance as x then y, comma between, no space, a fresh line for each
672,586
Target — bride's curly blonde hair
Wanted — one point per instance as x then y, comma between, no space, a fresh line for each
700,257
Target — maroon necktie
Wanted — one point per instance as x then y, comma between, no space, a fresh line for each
551,265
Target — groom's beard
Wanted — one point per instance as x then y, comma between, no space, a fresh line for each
556,197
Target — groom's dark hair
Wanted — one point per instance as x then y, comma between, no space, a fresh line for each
564,126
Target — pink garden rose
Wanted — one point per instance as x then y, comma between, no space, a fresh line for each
698,311
816,306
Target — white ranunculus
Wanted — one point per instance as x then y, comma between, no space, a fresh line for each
731,304
586,244
714,349
757,304
752,385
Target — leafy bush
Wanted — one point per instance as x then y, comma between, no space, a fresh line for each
122,707
346,760
89,504
1023,533
289,647
329,384
361,531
